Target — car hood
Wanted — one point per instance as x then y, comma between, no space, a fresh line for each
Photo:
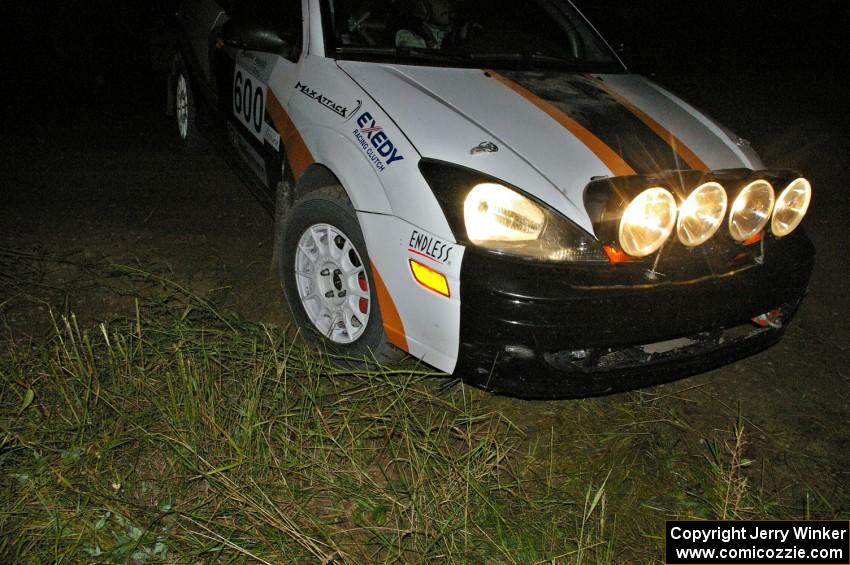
555,131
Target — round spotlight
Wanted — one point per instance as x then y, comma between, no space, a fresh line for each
701,214
647,222
791,207
751,210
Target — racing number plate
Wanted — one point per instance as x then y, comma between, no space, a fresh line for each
249,101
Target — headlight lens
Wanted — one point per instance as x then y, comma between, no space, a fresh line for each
493,212
791,207
701,214
751,210
647,222
484,212
501,219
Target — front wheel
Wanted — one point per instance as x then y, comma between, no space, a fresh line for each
327,279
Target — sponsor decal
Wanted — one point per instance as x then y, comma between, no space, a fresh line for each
377,145
323,100
271,137
430,247
252,159
356,109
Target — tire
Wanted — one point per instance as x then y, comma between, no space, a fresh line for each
333,298
182,105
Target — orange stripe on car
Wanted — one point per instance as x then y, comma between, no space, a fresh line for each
392,321
296,150
691,158
608,156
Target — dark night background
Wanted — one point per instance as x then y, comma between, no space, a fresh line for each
90,161
90,167
87,147
88,150
671,36
78,41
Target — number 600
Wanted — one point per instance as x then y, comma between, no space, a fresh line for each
248,102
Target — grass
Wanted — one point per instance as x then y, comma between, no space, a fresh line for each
177,433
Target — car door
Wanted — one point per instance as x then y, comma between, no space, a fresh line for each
247,59
198,19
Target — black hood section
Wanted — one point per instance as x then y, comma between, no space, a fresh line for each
586,100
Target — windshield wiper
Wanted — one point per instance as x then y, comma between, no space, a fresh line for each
403,53
555,59
465,59
526,58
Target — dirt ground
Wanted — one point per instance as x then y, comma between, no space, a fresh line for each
99,173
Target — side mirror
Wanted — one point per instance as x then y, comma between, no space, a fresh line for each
253,36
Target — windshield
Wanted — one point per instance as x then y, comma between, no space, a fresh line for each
518,34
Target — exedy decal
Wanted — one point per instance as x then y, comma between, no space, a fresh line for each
337,109
430,247
378,146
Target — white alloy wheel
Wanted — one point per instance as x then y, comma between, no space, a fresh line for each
332,282
181,106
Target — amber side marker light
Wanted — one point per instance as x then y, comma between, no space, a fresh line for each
429,278
755,239
617,255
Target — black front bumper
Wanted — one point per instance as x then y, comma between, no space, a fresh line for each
549,330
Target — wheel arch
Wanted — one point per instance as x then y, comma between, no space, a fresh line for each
315,176
336,160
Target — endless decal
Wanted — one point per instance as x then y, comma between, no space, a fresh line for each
431,247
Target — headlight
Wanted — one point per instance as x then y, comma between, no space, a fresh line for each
791,207
701,214
647,222
493,213
489,214
501,219
751,210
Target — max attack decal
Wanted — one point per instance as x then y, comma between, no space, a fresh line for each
430,247
378,146
338,109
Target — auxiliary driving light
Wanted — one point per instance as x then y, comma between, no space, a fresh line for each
701,214
791,207
647,222
751,210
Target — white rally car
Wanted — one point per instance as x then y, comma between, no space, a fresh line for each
484,186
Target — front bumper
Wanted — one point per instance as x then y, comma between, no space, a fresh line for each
548,330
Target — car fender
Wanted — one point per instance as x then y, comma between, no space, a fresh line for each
326,118
343,160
